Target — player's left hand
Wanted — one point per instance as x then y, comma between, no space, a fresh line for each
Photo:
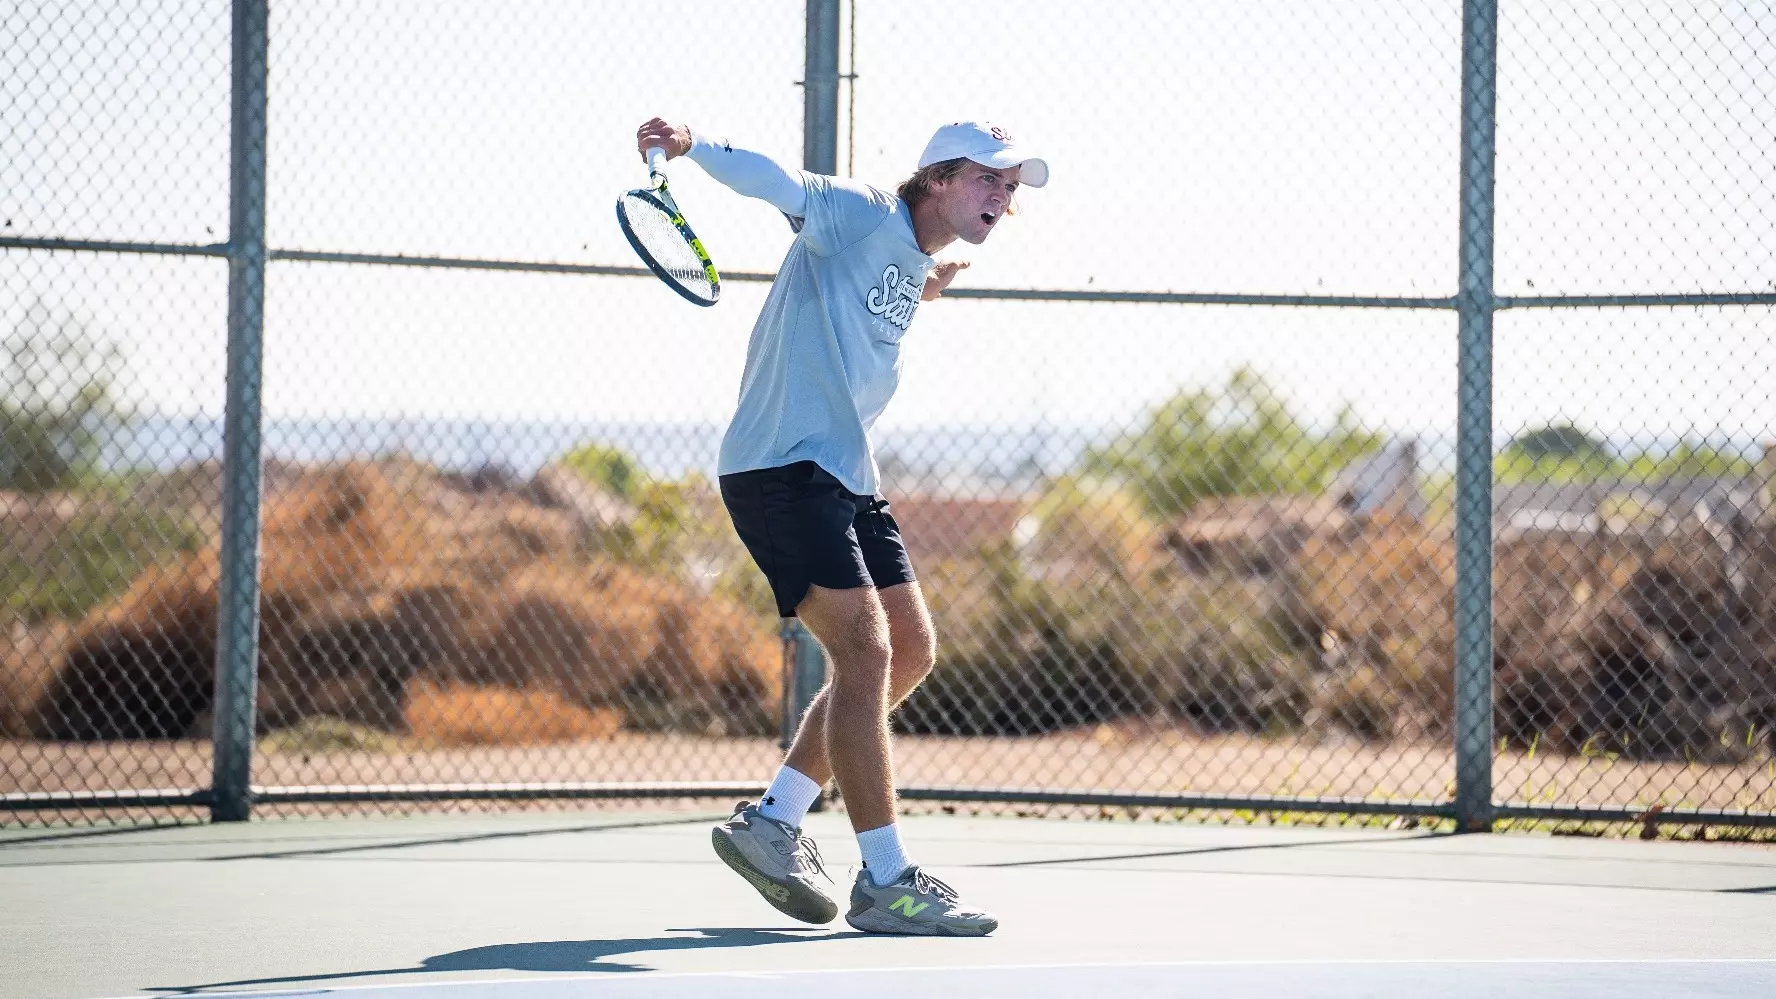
675,139
940,278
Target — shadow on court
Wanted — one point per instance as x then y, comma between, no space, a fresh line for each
382,845
548,956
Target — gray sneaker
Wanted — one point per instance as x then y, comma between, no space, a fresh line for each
778,860
916,903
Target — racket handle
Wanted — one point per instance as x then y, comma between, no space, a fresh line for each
656,157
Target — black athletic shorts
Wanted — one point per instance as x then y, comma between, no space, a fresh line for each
804,527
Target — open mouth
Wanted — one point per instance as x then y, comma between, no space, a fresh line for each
989,218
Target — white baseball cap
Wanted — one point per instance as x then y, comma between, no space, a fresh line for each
987,144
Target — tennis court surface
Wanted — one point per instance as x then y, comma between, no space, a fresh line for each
634,904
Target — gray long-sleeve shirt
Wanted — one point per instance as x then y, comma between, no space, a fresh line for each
824,358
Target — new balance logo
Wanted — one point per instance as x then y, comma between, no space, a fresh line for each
767,886
904,905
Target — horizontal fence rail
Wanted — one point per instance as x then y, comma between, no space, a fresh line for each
1003,294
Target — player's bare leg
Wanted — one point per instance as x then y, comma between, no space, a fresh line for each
891,894
764,844
852,726
912,651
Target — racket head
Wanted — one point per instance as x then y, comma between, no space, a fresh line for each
663,241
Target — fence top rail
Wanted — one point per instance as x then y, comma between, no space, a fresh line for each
1671,300
1634,301
113,246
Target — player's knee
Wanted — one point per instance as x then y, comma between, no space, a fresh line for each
862,660
914,655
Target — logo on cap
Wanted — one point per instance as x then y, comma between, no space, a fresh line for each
1001,134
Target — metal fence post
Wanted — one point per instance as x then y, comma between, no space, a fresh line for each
805,664
237,639
820,89
1473,493
820,154
810,674
804,667
788,717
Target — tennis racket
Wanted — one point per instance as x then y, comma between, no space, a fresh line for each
657,230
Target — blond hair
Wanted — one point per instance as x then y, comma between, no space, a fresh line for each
917,188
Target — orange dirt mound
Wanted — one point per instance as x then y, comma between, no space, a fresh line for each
458,714
375,575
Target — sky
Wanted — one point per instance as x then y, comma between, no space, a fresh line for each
1266,147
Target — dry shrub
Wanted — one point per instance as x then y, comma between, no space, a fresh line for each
586,635
667,656
143,665
1639,643
1251,534
28,658
350,655
1546,590
739,653
1643,649
1025,647
61,554
337,635
1093,526
1226,651
1035,639
343,528
1629,643
374,574
346,527
539,532
1748,652
1018,653
1359,700
1383,594
458,714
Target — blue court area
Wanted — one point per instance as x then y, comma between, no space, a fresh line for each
634,904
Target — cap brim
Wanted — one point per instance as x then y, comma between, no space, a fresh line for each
1034,172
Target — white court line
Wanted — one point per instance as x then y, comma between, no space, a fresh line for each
614,978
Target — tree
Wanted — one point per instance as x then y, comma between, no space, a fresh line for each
609,467
55,399
1558,452
1689,460
1564,453
1559,440
672,520
1237,440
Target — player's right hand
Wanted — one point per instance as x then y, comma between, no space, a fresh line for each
675,139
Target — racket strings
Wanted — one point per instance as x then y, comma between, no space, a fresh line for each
661,241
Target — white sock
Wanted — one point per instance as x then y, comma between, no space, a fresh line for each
883,856
789,797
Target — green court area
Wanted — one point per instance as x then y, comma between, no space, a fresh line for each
634,903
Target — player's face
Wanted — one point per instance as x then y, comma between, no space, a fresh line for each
973,202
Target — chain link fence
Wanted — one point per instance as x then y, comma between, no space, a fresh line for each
1176,459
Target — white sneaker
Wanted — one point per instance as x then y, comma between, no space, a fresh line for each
916,903
778,860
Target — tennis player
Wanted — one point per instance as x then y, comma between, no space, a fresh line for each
800,482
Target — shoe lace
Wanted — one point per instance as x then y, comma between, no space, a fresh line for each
811,853
804,844
931,886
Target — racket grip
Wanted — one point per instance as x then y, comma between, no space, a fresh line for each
656,157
